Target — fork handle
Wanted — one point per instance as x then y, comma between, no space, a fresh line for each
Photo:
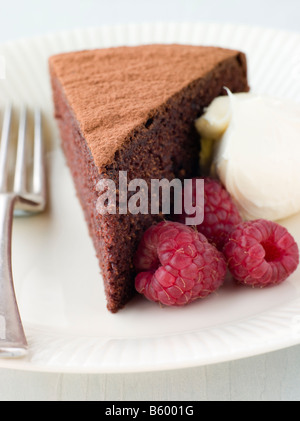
12,338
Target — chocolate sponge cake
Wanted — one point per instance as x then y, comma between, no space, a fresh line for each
133,109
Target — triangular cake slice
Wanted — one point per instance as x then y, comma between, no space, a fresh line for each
133,109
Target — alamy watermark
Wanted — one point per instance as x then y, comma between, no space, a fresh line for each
2,67
155,197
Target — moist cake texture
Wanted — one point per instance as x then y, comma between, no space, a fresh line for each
133,109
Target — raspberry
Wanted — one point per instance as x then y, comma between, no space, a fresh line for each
177,265
260,253
220,213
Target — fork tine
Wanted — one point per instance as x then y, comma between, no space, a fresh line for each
13,341
38,159
20,169
4,148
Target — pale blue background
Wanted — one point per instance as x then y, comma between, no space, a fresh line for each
273,376
20,18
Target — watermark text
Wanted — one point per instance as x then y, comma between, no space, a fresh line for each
153,197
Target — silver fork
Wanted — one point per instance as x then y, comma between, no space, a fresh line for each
23,200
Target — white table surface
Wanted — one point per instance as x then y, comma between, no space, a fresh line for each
269,377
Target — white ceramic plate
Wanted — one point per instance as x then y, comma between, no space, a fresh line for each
58,286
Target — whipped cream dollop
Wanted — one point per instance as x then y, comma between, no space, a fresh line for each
252,143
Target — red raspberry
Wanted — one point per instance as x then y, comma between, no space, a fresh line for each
261,252
177,265
220,213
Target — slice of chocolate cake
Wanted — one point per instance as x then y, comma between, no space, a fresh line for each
133,109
